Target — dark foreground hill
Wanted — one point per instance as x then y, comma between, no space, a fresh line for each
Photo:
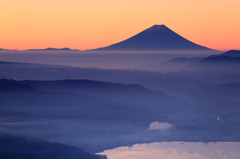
20,148
157,37
14,87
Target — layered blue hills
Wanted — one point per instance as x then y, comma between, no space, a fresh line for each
231,53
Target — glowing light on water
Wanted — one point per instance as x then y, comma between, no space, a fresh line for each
176,150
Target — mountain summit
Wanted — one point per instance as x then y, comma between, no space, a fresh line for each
157,28
155,38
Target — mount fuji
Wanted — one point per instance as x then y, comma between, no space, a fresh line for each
155,38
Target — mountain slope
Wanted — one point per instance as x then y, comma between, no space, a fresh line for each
130,93
216,64
91,99
231,53
157,37
174,64
20,148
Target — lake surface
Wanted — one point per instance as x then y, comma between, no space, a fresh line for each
177,150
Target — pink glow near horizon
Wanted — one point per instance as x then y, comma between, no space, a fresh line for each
28,24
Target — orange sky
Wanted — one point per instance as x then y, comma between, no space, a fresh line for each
88,24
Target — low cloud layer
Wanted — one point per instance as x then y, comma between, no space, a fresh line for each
159,126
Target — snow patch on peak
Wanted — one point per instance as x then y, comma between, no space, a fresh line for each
157,28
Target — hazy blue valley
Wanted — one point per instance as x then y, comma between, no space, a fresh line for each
72,104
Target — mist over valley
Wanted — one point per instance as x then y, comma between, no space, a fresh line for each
85,102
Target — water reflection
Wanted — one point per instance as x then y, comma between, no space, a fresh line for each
177,150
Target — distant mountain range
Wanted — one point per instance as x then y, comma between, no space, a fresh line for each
154,80
174,64
46,49
88,96
54,49
231,53
131,93
1,49
155,38
228,61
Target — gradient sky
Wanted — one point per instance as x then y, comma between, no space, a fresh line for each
89,24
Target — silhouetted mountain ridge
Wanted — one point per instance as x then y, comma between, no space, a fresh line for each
174,64
15,87
227,62
157,37
221,59
114,91
184,60
53,49
231,53
20,148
